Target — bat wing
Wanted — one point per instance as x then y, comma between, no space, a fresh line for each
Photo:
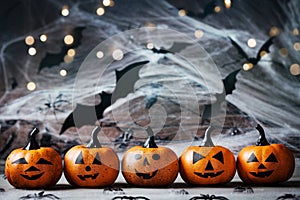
229,81
176,47
126,79
265,47
240,50
54,59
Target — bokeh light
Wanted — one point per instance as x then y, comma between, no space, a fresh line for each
31,86
43,38
100,11
199,33
32,51
29,40
99,54
118,54
295,69
251,43
63,72
65,11
68,39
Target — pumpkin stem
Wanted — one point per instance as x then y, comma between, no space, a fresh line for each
207,142
94,142
262,140
150,142
32,143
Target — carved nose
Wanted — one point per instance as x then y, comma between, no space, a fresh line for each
145,162
88,168
31,169
261,166
209,166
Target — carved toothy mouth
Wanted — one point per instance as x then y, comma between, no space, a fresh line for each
146,175
33,177
261,174
83,177
208,174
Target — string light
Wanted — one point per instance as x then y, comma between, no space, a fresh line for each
151,26
295,31
247,66
31,86
106,2
112,3
263,53
100,11
99,54
295,69
63,72
43,38
251,43
68,59
150,45
284,52
118,54
182,13
29,40
32,51
71,52
227,4
68,39
297,46
217,9
274,31
65,11
199,33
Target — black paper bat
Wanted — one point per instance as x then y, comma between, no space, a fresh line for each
254,60
176,47
54,59
87,115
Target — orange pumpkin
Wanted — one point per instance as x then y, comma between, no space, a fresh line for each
91,165
33,167
265,163
150,165
207,164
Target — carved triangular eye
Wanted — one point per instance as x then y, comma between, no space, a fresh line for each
272,158
252,158
44,162
79,159
219,157
197,157
97,160
20,161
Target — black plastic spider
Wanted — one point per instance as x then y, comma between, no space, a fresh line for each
208,197
125,138
39,195
180,192
55,105
113,190
289,196
130,198
240,188
2,190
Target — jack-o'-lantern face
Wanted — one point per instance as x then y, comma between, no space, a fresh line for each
91,167
207,165
150,166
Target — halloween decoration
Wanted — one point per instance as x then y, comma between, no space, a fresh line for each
113,190
90,114
288,196
180,192
207,164
33,166
39,195
150,165
241,189
91,165
265,163
130,198
208,197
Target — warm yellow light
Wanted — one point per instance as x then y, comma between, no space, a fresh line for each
150,45
68,39
118,54
284,52
43,38
112,3
151,26
106,2
31,86
297,46
295,31
68,59
65,11
32,51
99,54
295,69
251,43
217,9
63,72
29,40
100,11
182,13
199,33
71,52
263,53
227,3
247,66
274,31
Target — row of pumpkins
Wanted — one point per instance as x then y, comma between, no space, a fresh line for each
149,165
